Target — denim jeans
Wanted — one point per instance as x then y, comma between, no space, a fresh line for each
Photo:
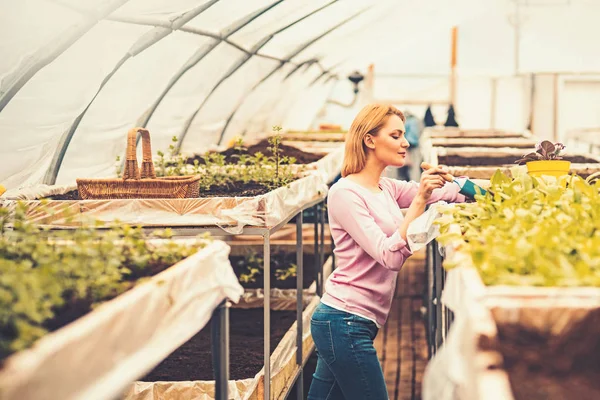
347,364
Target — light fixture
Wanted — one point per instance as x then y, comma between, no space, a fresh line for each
356,77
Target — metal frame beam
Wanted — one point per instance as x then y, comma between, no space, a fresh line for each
239,64
12,83
287,59
147,40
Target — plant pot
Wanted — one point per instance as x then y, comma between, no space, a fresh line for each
555,168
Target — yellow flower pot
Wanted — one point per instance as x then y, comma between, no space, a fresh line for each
555,168
2,190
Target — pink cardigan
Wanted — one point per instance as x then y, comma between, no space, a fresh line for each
368,248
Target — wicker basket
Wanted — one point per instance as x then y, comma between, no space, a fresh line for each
132,186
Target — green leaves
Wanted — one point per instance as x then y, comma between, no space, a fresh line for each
271,171
531,231
44,273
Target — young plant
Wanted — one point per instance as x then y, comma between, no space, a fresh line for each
253,267
171,163
275,142
269,171
49,278
544,150
284,273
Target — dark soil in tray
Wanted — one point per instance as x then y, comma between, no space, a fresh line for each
488,160
72,195
280,260
476,135
239,189
193,360
302,157
490,145
545,367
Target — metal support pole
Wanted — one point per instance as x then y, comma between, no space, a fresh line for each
437,267
267,313
430,295
322,247
317,215
220,349
299,303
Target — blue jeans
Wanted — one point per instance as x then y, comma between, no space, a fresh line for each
347,364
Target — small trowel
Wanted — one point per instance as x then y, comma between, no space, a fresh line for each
467,186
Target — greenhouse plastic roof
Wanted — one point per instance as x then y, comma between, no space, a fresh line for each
76,75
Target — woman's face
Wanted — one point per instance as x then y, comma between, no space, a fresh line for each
390,146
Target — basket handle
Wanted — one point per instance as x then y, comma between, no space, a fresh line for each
131,165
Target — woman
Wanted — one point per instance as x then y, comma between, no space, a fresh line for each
369,232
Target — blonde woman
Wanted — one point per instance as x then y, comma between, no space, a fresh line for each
369,232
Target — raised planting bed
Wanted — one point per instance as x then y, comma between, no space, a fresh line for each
315,146
325,158
231,213
314,136
524,283
446,132
232,155
78,326
188,373
480,162
546,364
530,343
529,232
479,158
583,170
517,143
249,270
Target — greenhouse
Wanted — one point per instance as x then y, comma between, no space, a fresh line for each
299,199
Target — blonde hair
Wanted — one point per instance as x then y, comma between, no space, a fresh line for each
368,121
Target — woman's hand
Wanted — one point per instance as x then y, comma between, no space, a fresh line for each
433,177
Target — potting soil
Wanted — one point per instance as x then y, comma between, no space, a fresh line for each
456,160
72,195
193,360
280,260
516,145
543,367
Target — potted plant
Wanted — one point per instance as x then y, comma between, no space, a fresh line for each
546,160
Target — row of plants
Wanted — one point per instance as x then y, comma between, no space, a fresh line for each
530,231
218,171
50,278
